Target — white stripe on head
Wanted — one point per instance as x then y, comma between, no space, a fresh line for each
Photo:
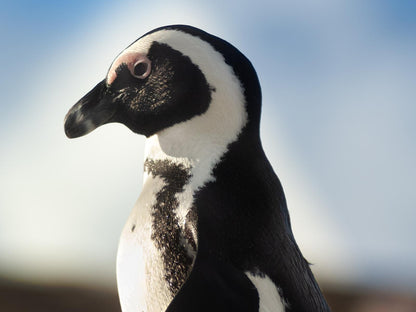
226,115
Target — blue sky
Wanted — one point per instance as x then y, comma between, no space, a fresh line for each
338,126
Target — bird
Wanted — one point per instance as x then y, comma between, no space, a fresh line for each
210,230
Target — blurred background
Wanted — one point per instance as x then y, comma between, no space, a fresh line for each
338,125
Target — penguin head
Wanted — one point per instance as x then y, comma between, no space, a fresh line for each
174,77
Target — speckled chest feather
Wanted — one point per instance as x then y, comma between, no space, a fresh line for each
169,236
167,242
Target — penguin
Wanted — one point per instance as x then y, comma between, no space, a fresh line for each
210,230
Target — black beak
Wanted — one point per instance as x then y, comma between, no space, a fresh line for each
92,111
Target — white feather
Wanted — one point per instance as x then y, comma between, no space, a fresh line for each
269,298
139,265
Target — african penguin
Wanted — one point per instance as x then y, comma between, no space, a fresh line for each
210,230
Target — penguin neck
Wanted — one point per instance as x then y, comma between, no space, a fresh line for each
200,142
180,148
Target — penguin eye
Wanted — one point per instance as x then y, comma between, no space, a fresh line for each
141,69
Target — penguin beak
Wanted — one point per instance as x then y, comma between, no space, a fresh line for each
92,111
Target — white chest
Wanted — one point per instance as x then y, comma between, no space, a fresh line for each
152,241
139,264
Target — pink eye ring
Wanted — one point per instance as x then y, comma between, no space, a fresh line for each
138,64
141,69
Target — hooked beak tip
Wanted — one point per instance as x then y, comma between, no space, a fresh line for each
89,113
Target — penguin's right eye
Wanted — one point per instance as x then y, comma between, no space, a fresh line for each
141,68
